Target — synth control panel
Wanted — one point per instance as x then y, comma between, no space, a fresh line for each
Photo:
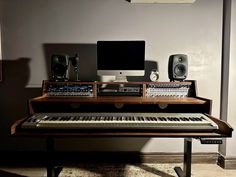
69,89
168,89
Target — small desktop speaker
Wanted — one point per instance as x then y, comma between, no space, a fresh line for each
178,67
59,67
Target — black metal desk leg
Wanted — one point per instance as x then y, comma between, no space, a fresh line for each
50,157
186,172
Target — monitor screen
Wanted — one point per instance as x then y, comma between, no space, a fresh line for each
121,58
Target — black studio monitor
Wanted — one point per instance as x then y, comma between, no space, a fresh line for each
59,67
178,67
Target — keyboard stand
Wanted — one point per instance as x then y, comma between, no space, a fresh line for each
186,172
53,171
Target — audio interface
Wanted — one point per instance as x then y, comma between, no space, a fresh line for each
168,89
120,90
63,89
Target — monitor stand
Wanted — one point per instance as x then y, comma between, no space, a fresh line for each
121,79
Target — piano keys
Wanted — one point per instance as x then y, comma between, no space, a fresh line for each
117,120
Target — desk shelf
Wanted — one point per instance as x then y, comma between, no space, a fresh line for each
123,99
119,104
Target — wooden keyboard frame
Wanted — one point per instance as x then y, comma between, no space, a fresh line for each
191,104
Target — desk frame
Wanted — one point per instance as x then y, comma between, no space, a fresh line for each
191,104
186,172
53,171
224,131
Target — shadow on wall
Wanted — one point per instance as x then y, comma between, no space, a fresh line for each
87,58
14,96
149,66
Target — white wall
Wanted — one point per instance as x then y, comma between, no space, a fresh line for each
192,29
231,143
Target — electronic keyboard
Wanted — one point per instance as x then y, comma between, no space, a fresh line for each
162,121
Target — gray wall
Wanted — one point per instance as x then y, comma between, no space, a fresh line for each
32,30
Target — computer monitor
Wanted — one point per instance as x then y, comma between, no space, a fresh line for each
121,59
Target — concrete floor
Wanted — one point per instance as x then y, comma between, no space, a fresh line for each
198,170
211,170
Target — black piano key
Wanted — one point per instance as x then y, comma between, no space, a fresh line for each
202,118
75,118
192,119
170,118
154,119
184,119
47,118
53,118
162,118
176,119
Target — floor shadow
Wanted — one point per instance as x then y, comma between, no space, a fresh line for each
115,170
154,170
103,170
8,174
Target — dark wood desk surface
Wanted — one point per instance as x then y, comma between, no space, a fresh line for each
132,103
122,99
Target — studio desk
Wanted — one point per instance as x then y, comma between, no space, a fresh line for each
93,101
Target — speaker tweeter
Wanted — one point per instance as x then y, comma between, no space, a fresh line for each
178,67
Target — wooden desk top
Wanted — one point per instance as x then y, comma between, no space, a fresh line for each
123,99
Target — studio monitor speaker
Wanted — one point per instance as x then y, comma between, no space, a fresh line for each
178,67
59,67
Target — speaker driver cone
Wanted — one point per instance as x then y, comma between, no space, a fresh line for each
180,70
59,70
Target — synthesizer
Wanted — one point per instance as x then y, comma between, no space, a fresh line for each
162,121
